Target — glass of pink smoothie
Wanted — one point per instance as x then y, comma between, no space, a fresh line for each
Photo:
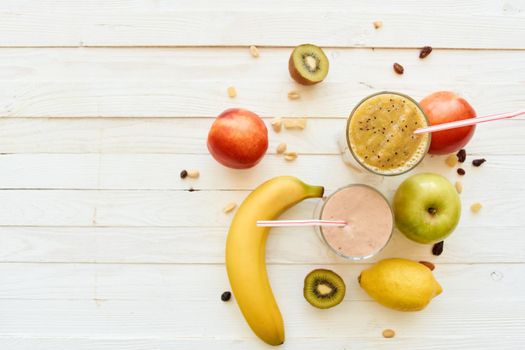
370,221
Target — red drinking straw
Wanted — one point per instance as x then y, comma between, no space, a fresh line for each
467,122
287,223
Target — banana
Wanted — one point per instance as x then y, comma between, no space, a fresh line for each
246,250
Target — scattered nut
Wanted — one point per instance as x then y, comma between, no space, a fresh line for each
462,155
229,207
425,51
232,92
459,186
254,51
183,174
294,95
461,171
475,207
389,333
478,162
277,124
295,123
193,174
398,68
451,160
281,148
437,248
428,264
289,156
378,24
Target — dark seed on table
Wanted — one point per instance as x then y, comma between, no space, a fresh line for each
462,155
461,171
437,249
425,51
398,68
226,296
183,174
478,162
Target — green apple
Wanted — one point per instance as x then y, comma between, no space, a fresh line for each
426,207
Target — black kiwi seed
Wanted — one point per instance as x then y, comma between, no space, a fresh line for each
226,296
324,288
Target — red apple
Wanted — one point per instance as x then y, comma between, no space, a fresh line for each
443,107
238,138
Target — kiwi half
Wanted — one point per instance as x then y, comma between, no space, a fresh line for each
308,64
324,288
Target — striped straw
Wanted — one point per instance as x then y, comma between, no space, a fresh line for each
286,223
467,122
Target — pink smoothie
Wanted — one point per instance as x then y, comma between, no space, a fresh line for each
369,217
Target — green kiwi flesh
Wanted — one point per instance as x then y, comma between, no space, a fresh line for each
308,64
324,288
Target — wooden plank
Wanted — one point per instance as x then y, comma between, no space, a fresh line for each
139,301
157,283
198,208
159,24
141,245
175,82
456,342
448,7
188,135
162,172
208,98
234,65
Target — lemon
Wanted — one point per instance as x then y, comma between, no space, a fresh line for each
400,284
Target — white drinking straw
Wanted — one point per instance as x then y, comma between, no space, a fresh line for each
312,222
467,122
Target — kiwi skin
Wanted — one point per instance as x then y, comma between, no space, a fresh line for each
294,73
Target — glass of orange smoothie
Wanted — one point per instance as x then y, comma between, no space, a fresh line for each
370,221
379,134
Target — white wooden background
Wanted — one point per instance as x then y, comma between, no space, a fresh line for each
104,102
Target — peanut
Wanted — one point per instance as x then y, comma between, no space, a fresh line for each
295,123
452,160
277,124
476,207
254,51
289,156
294,95
389,333
281,148
232,92
378,24
459,186
193,174
229,207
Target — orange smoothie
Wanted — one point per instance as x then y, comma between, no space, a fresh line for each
380,133
369,217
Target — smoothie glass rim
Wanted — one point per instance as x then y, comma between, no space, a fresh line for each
319,229
429,135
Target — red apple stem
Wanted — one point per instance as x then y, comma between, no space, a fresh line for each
467,122
290,223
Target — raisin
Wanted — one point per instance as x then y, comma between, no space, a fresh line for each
478,162
226,296
183,174
398,68
462,155
437,249
461,171
425,51
428,264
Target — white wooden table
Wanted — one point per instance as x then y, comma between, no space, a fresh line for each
104,102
